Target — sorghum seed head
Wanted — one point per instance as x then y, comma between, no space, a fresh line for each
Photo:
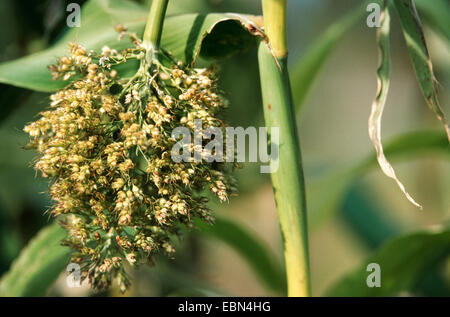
105,144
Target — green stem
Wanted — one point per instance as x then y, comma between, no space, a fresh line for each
275,25
287,180
153,28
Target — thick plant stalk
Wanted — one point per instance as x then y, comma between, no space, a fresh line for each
153,28
287,180
274,12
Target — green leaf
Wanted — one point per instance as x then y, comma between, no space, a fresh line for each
335,185
308,65
403,261
417,47
437,13
252,250
183,36
38,265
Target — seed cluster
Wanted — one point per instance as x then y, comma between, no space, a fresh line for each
105,144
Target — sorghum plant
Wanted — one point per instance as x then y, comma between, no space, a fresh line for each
105,144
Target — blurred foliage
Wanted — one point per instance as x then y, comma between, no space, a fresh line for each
402,261
437,14
310,63
338,181
251,249
38,265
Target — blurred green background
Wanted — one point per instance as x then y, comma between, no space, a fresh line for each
369,208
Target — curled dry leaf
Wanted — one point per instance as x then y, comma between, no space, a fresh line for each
383,81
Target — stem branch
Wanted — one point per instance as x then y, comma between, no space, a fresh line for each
153,28
287,180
